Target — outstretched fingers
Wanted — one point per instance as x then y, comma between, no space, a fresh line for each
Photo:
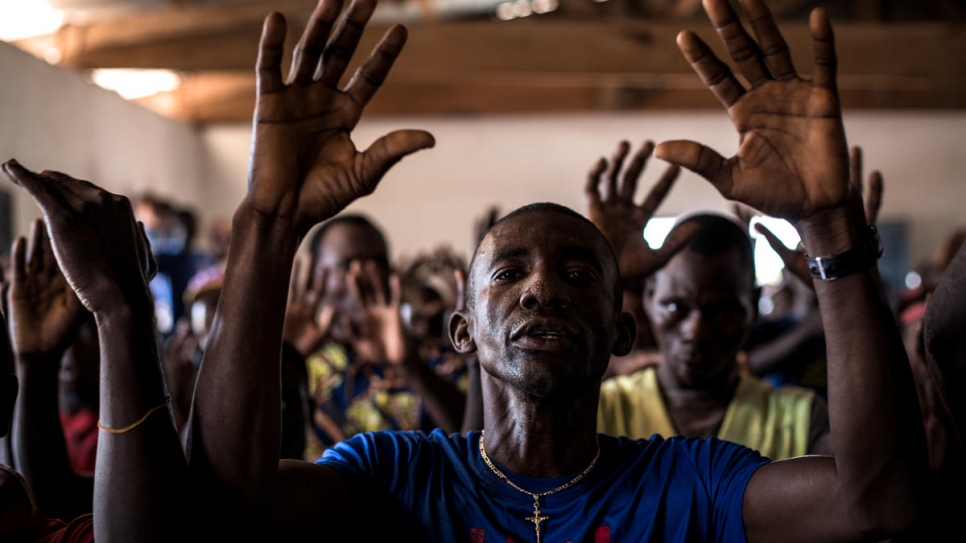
592,188
372,73
35,248
823,43
774,49
633,172
794,260
616,165
271,47
308,51
37,185
373,278
338,52
356,284
873,198
743,50
855,168
659,192
18,263
714,73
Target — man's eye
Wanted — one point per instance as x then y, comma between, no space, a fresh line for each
579,275
674,308
506,275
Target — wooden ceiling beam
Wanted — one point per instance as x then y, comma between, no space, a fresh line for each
557,45
230,97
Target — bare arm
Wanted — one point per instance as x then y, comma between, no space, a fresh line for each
943,327
768,357
793,163
141,474
304,169
44,315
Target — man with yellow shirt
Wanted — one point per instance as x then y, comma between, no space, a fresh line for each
701,307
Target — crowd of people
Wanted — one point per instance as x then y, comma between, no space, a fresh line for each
567,383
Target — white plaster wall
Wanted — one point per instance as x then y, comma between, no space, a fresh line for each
52,118
436,195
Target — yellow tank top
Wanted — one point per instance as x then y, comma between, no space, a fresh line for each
774,421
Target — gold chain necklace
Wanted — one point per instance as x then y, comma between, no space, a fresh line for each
536,519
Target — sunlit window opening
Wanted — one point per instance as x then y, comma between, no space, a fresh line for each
133,84
768,265
28,18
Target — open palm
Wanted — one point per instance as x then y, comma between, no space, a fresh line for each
310,166
792,161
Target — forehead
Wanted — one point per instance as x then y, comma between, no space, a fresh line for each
720,275
348,241
546,234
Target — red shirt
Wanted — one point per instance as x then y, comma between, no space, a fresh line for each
80,432
22,522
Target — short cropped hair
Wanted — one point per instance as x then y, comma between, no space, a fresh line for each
548,207
716,234
349,219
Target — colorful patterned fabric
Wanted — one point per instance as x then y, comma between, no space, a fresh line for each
351,398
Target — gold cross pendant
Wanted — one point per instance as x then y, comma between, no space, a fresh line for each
536,519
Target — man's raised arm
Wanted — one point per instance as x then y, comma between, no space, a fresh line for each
140,480
793,163
304,169
943,327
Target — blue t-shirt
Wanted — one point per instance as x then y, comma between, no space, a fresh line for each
435,487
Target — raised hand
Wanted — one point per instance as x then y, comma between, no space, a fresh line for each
307,316
305,168
382,338
45,314
100,248
622,221
793,158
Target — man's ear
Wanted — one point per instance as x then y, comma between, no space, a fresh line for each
459,333
626,334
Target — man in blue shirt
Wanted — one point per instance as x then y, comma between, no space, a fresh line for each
543,316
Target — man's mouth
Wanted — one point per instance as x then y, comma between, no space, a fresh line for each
543,334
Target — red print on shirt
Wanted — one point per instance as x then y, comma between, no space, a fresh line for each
601,535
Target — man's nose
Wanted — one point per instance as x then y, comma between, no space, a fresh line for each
695,326
542,288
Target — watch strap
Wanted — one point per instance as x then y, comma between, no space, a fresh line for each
857,259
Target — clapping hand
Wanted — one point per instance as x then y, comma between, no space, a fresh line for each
45,314
100,248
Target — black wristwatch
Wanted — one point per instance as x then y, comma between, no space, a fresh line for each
857,259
